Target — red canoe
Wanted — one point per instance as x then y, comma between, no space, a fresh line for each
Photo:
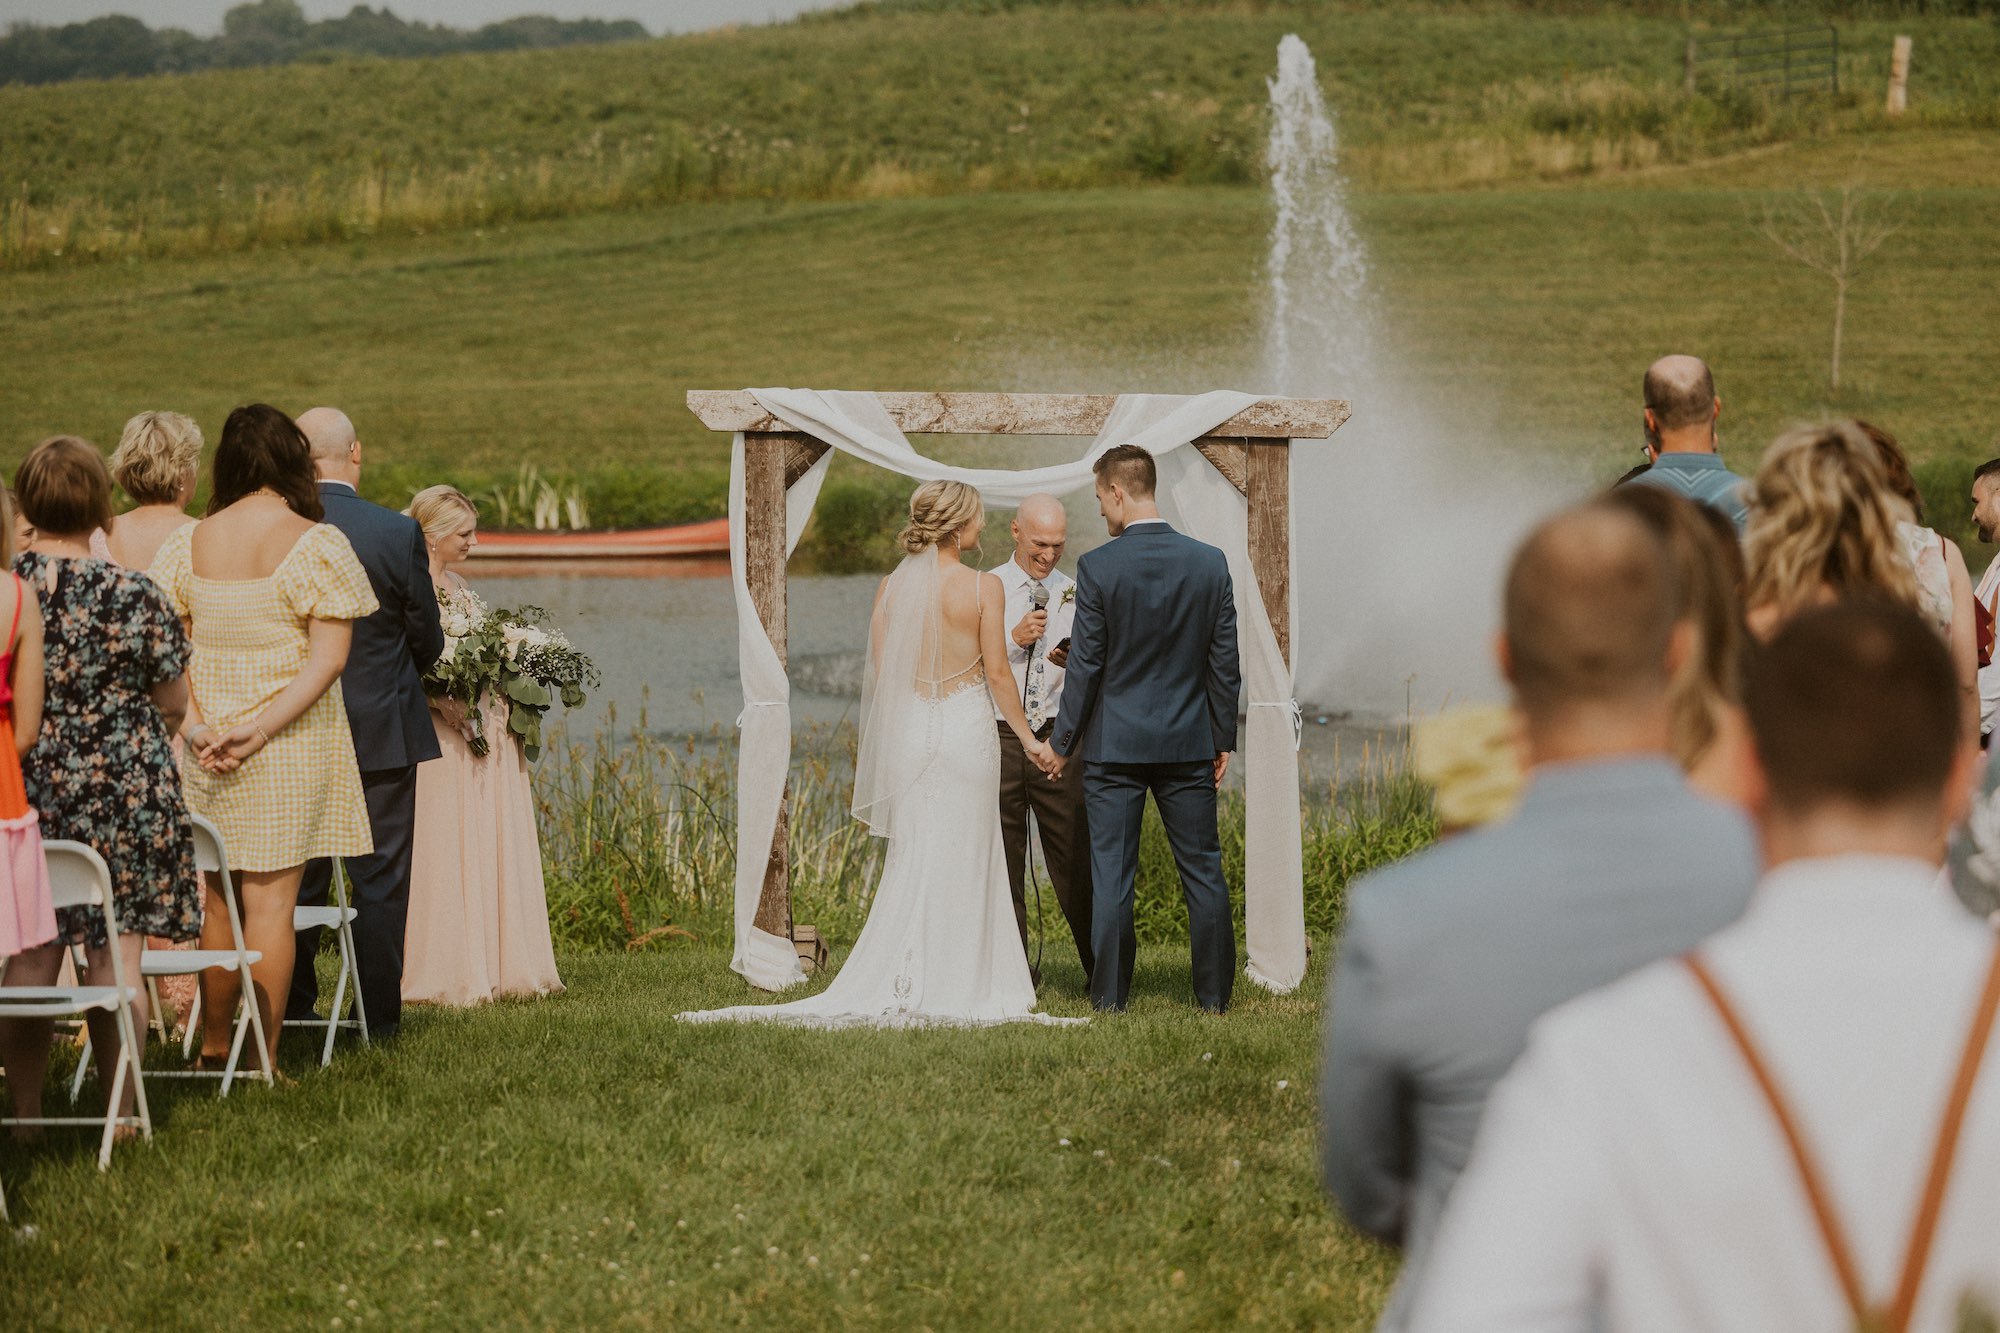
709,538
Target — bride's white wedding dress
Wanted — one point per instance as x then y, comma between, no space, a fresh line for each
940,946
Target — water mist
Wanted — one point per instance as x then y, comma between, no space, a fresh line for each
1402,535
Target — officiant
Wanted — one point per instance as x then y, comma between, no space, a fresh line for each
1041,604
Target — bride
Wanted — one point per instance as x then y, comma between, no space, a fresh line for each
940,945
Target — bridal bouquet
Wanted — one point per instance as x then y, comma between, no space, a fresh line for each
505,656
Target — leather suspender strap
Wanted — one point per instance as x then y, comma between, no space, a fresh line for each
1919,1253
1830,1230
1896,1317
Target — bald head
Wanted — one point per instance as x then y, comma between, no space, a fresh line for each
1680,393
335,452
1041,529
1590,604
328,431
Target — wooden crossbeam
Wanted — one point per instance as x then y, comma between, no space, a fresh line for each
1026,414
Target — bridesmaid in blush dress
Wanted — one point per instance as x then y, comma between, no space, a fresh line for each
479,916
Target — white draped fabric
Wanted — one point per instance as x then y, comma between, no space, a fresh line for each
1193,496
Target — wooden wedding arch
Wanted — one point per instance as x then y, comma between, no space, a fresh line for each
1252,450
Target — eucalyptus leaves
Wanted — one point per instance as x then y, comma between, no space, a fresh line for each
505,655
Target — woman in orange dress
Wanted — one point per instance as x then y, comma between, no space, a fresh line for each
27,920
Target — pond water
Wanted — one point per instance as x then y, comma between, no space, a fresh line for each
664,635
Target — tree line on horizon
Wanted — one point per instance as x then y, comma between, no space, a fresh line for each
272,32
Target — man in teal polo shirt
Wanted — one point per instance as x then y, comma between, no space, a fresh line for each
1681,440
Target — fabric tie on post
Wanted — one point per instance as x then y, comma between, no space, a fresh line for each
1298,720
1193,496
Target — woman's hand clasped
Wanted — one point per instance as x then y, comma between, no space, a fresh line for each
1044,757
226,751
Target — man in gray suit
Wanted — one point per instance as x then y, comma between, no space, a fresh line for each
1610,863
1150,702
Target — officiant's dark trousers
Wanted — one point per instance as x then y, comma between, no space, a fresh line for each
1065,833
379,890
1114,796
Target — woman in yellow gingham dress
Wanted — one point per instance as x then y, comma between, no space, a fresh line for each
270,759
300,797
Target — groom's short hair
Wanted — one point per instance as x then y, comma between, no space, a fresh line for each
1129,468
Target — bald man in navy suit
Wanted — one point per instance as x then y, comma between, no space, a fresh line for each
386,710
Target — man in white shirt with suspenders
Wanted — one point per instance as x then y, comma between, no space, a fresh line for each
1797,1125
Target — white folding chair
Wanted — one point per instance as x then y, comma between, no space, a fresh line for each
210,858
78,877
338,917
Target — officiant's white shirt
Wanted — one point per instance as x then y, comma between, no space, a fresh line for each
1062,616
1988,592
1628,1165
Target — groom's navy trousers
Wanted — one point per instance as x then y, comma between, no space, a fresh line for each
1149,701
1114,799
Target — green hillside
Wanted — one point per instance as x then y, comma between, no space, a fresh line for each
531,257
903,100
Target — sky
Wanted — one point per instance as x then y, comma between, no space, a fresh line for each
205,16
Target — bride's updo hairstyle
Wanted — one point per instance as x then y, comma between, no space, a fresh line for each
440,510
937,510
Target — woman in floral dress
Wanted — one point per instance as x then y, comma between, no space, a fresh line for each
102,772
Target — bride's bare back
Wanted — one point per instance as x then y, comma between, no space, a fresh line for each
962,600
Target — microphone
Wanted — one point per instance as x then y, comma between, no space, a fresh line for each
1038,597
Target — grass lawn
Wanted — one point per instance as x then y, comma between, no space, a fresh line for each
1522,316
583,1161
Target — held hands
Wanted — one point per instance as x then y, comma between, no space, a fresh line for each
1029,632
1043,756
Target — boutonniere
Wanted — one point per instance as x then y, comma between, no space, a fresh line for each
1068,596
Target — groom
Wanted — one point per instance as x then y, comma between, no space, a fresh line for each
1150,701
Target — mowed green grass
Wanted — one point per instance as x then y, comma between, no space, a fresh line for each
583,1161
1520,318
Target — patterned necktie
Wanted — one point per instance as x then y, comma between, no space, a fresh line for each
1037,696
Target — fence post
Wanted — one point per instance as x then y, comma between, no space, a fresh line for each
1687,60
1899,78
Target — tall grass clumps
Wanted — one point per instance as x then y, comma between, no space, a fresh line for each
639,840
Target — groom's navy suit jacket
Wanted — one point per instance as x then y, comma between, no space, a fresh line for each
1153,674
383,684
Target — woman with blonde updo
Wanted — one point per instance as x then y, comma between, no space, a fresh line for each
479,915
1823,525
156,463
940,946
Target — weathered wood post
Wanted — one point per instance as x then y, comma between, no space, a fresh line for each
764,568
1899,78
1252,450
1688,57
